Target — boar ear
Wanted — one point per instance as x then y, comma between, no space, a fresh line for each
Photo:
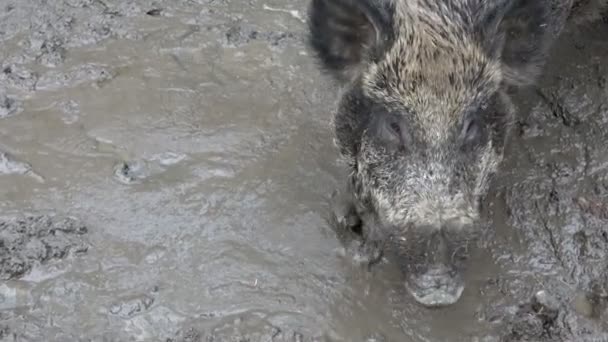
519,34
347,34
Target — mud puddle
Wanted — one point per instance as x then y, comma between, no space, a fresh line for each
191,140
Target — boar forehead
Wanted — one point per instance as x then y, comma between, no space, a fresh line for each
435,69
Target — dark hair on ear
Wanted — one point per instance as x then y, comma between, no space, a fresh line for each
519,33
346,34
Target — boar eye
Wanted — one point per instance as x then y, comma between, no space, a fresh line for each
390,129
396,130
472,129
396,134
472,133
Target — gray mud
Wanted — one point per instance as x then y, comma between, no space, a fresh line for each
30,240
550,209
191,138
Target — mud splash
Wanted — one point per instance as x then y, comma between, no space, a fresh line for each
191,139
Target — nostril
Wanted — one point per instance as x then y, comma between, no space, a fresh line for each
433,290
438,283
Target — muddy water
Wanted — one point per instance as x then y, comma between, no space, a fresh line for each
191,139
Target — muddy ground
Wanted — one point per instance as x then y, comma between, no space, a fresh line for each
166,169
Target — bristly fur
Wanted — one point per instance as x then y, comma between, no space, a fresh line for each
340,49
425,112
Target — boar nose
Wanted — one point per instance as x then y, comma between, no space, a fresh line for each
436,287
437,249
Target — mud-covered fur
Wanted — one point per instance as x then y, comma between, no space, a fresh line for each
424,114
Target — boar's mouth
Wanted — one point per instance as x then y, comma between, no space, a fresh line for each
437,287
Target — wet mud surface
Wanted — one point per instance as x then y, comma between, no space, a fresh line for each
37,239
553,200
186,145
